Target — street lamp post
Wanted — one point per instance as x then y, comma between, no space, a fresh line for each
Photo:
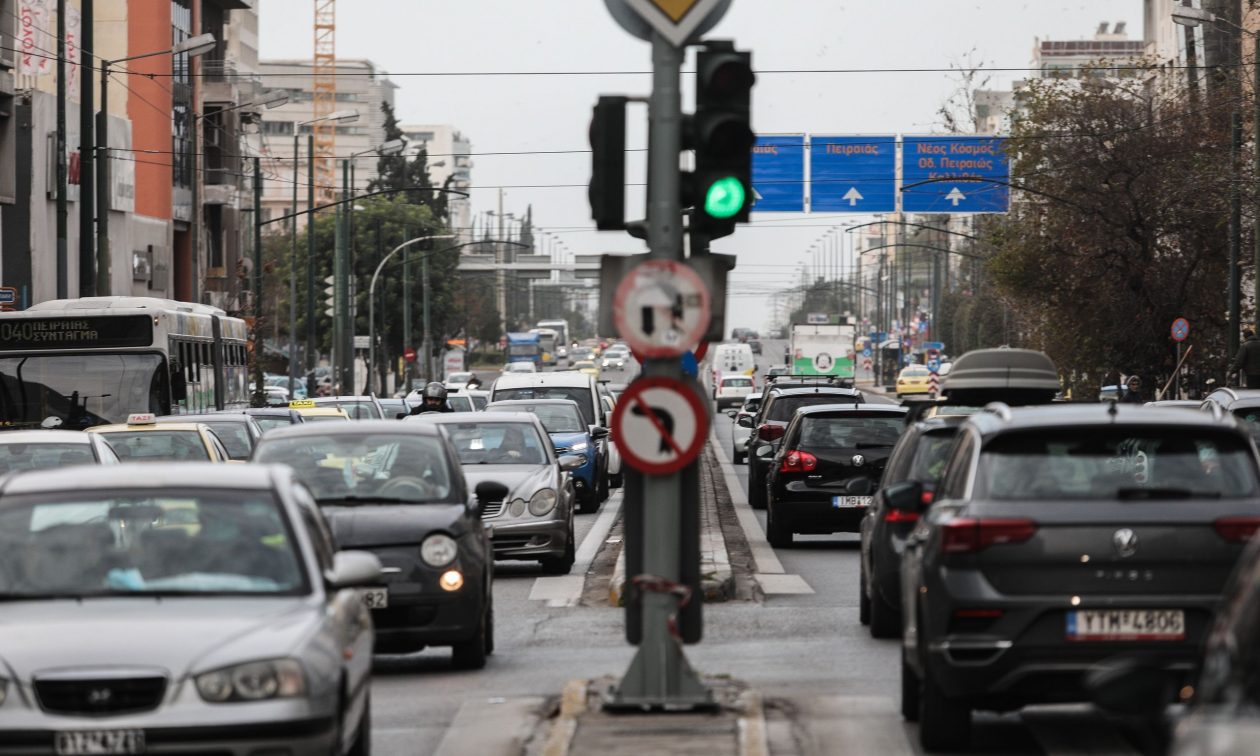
192,47
372,304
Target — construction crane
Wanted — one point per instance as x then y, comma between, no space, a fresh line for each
324,98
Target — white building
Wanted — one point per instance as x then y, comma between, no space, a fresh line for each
449,158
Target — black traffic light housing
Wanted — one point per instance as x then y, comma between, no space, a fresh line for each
720,190
607,191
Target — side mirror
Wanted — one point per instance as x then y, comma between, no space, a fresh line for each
764,450
732,412
179,386
571,462
354,569
745,422
860,487
598,432
905,497
487,491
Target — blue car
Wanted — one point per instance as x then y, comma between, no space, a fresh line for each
570,435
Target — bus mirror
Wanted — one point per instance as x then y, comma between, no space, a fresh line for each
179,386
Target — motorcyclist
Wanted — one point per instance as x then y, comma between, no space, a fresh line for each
432,399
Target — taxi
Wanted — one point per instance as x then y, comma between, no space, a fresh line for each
313,413
586,366
913,379
141,439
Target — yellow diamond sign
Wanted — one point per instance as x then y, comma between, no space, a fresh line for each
678,21
675,10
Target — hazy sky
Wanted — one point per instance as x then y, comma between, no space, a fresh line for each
551,113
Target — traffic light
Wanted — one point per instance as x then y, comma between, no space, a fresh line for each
720,190
607,191
330,301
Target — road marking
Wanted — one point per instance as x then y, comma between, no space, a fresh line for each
768,565
566,590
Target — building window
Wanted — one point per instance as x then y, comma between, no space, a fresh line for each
181,29
278,128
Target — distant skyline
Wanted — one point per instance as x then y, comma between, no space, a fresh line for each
413,41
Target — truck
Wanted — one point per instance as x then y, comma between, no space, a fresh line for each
824,350
524,347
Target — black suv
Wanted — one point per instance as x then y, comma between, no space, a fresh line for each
919,457
1060,539
828,465
778,405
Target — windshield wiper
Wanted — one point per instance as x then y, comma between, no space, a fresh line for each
1129,494
352,499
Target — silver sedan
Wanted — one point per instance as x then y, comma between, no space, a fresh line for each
170,609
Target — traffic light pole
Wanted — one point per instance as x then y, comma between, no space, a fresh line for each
659,677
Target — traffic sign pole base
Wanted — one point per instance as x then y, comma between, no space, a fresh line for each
659,679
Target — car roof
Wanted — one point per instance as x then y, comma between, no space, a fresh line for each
357,428
998,418
457,418
822,409
331,399
203,417
269,412
167,427
822,388
564,379
156,475
532,402
44,437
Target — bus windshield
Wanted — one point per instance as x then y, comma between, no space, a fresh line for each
80,390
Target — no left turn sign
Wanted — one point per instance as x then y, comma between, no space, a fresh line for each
659,425
661,309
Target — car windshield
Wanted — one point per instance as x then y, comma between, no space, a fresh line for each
914,372
41,456
360,409
126,543
930,455
850,431
736,383
578,394
497,443
158,446
323,418
235,437
460,403
1116,463
784,407
266,423
81,390
556,418
480,402
347,467
458,377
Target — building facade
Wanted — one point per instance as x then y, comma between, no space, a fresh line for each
450,160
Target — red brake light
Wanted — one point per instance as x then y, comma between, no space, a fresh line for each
897,515
1237,529
968,536
799,461
770,432
927,497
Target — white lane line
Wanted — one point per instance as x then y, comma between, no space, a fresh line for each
770,573
566,590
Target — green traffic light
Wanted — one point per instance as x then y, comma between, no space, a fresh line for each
725,198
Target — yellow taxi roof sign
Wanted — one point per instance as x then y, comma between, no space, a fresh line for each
302,404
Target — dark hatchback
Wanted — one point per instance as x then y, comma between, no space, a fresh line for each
778,404
920,457
828,465
1061,539
398,491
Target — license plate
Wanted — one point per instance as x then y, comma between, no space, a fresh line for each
99,741
376,598
1126,625
850,502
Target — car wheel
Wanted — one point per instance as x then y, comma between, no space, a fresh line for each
885,619
756,494
471,654
362,745
864,601
562,564
603,488
616,481
736,457
944,723
490,629
777,533
909,691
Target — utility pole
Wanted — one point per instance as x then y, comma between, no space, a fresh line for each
312,353
87,202
63,209
406,283
1235,232
103,187
343,273
293,274
427,342
256,285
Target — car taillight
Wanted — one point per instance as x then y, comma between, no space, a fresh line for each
898,515
770,432
798,461
967,536
1237,529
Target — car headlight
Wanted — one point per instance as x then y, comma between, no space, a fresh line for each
542,502
255,681
517,507
438,550
580,446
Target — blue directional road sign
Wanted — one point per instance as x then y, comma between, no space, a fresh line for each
853,174
935,173
778,169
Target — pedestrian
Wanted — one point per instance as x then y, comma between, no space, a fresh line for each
1247,361
1133,391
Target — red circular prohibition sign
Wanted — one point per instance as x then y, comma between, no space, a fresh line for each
625,288
633,398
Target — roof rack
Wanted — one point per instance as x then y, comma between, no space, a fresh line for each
1001,409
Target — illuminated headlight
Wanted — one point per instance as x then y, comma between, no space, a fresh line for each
517,507
580,446
256,681
542,502
451,580
438,550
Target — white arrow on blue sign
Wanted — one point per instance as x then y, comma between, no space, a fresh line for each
778,171
855,174
955,175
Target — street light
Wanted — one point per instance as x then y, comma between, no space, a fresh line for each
192,47
372,306
1193,17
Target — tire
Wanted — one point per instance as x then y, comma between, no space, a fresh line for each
864,601
944,723
562,564
736,457
909,691
471,654
602,488
490,630
885,619
776,533
362,745
616,481
756,493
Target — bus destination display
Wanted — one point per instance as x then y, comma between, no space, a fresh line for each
75,333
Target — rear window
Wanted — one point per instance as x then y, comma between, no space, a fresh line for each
576,393
42,456
850,431
235,438
158,446
785,406
737,383
1116,463
930,456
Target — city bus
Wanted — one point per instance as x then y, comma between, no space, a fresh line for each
561,327
75,363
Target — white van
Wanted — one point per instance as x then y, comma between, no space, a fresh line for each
732,359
